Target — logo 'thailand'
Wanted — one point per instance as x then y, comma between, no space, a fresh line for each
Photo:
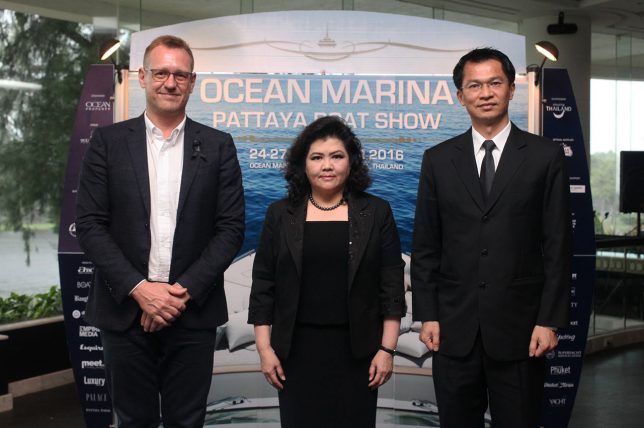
558,110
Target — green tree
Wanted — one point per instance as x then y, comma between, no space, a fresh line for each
38,124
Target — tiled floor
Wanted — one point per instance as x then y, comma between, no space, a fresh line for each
611,391
611,395
55,408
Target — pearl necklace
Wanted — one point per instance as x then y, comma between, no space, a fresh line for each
331,208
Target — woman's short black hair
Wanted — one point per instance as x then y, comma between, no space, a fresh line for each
480,55
325,127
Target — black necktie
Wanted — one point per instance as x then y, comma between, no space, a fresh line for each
487,168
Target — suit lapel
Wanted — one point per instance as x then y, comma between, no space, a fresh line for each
465,164
191,161
511,160
293,224
360,225
137,146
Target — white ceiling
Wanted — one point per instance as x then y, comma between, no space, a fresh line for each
607,16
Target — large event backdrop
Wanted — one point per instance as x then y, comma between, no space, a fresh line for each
262,77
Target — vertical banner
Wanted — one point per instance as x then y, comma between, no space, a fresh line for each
85,350
561,124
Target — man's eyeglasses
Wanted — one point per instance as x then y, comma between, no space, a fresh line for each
475,87
161,75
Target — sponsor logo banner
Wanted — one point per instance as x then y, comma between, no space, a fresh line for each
94,109
561,124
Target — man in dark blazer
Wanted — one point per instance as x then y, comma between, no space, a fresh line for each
491,255
160,212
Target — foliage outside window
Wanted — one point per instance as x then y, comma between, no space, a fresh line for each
35,137
20,307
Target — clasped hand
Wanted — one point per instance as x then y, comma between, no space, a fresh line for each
161,304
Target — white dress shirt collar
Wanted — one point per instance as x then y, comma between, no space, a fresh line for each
156,133
499,141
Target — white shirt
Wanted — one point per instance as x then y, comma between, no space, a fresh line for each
165,163
499,141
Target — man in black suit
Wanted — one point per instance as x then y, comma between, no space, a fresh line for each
160,212
491,255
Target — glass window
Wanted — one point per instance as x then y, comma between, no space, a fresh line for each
42,64
616,109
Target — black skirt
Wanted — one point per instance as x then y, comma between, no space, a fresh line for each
325,386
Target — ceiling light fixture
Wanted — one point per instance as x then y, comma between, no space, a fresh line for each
549,51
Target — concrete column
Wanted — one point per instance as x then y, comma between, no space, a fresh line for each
574,55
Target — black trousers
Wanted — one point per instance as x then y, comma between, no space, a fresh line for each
165,373
464,384
325,386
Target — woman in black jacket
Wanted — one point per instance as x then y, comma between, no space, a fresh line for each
327,293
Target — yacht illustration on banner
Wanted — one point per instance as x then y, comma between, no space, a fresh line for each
327,48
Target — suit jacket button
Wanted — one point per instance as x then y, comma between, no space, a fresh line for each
482,284
484,252
485,218
147,226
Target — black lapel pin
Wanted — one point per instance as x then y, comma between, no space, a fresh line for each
196,149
